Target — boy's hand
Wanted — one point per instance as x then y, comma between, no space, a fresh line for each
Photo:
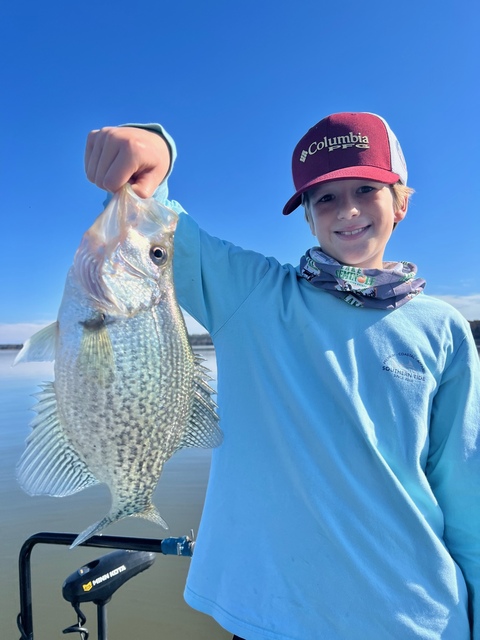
117,155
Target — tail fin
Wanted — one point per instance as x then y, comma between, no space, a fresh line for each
150,513
92,530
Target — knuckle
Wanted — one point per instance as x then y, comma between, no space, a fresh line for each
109,184
110,135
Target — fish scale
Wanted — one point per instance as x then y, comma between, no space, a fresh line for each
128,390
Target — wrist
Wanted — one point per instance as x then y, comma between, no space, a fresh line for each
159,130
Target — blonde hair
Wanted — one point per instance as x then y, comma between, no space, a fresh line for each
400,192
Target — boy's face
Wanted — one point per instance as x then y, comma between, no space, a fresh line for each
353,220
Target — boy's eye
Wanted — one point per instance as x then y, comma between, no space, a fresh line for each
366,188
326,198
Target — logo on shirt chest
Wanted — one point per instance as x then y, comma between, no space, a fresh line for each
404,366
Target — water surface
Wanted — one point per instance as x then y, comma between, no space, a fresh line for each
150,605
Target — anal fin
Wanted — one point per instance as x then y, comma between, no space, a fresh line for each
49,464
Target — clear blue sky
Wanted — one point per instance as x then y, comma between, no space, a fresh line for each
236,84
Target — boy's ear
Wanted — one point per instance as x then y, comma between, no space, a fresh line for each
401,212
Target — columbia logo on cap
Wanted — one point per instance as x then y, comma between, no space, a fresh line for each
339,142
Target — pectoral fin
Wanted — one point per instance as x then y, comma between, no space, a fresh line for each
96,359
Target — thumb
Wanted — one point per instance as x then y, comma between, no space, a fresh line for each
145,184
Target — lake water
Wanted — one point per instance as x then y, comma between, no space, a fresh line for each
150,605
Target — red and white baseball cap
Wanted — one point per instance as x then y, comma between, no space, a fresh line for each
346,145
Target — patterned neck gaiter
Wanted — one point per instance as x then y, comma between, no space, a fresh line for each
387,288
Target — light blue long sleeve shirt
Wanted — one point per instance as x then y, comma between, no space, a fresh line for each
344,501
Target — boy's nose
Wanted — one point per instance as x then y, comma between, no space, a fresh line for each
348,210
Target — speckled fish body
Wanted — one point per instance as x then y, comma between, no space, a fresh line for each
128,390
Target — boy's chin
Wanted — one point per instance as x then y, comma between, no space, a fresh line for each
356,260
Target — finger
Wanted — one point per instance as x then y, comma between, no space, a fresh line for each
116,171
92,136
101,150
96,142
89,159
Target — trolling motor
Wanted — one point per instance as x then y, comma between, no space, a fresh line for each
98,580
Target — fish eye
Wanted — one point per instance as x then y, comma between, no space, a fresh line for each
158,255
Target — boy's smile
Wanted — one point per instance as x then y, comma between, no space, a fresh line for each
353,220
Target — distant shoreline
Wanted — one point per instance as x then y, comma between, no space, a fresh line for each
205,341
196,340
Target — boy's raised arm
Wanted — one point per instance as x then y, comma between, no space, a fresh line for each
117,155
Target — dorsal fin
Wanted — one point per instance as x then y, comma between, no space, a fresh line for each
203,430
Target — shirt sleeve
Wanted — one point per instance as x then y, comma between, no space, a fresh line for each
214,278
453,467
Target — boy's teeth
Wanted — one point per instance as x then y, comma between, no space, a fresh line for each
351,233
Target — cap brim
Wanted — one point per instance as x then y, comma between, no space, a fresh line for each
369,173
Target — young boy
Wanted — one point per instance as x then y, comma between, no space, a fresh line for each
344,501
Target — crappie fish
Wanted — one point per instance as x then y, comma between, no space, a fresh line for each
128,390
